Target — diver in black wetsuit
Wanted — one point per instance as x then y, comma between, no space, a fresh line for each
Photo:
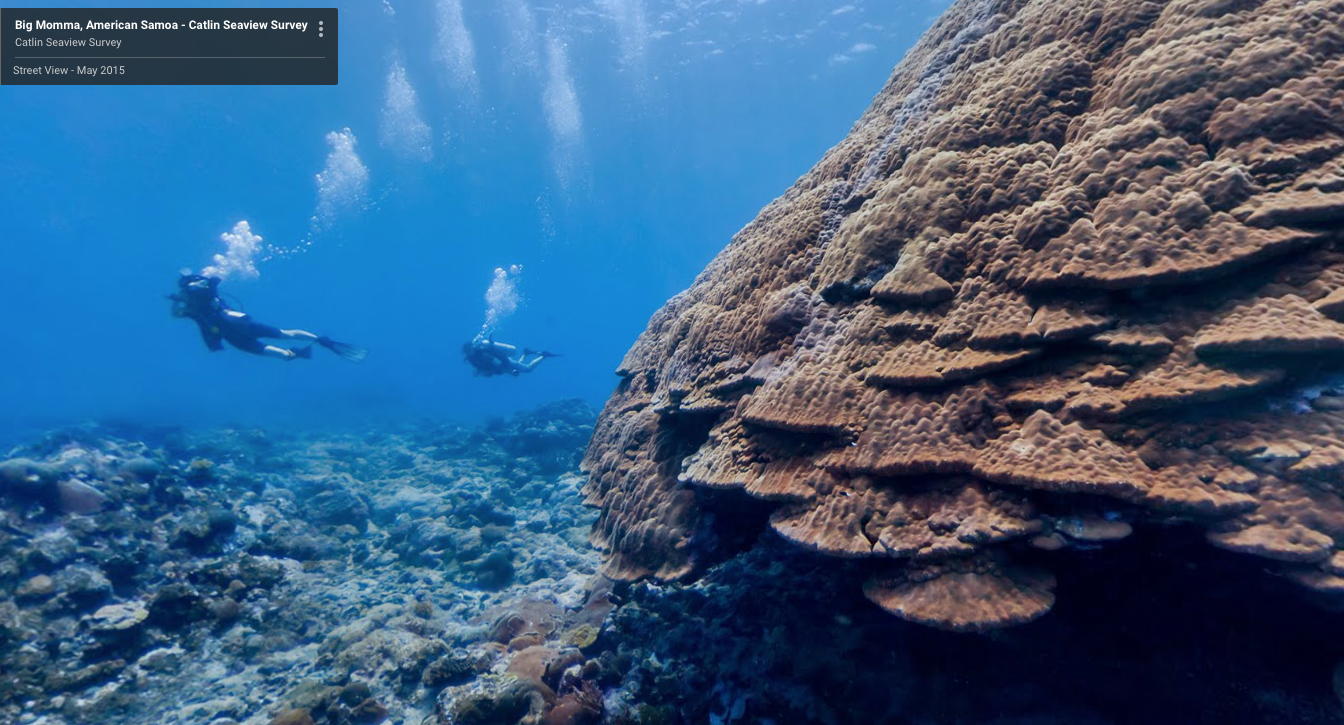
488,357
197,298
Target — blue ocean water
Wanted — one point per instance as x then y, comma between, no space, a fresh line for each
609,147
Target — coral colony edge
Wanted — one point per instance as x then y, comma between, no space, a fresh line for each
1024,405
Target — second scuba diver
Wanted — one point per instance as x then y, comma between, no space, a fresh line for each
197,298
488,357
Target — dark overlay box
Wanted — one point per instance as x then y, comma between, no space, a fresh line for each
168,46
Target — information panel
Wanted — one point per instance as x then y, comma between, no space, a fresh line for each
166,46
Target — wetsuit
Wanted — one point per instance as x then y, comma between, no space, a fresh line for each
488,357
199,300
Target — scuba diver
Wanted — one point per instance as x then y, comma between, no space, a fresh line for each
488,357
197,298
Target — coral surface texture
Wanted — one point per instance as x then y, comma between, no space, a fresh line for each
1076,271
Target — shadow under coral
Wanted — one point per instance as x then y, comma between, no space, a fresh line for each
1139,636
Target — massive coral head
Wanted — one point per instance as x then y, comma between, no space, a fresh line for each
1076,270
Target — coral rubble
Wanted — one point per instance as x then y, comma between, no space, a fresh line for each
237,576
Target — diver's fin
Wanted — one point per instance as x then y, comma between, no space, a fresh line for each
305,353
349,352
543,353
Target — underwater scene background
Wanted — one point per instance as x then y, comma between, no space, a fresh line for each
609,148
1020,400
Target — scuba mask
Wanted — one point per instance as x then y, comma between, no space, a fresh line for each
192,289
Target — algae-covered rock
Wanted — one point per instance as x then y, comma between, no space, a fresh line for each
582,636
26,478
496,570
82,585
368,712
338,506
177,605
84,676
38,587
118,617
297,716
201,471
489,700
454,668
50,550
161,659
390,654
203,531
78,497
142,469
312,694
11,625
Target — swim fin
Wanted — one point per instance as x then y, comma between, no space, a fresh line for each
305,353
345,350
543,353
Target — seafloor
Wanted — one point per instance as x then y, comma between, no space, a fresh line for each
434,574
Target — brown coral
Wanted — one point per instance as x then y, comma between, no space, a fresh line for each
1268,326
964,594
1060,281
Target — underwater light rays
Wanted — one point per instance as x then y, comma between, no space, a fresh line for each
454,51
632,31
564,117
521,27
401,130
